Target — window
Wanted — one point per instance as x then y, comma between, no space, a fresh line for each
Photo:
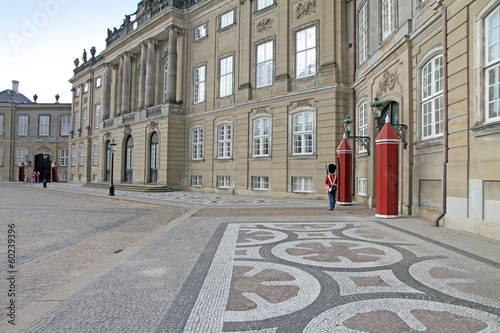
73,155
98,82
227,19
362,186
23,122
1,124
77,120
388,17
129,159
43,125
63,177
226,76
492,68
63,157
363,33
95,154
78,92
302,133
1,156
223,181
199,84
200,32
65,125
261,4
85,87
153,158
165,80
21,155
432,98
302,184
305,57
197,144
81,155
261,137
224,141
265,64
85,119
196,181
362,120
97,115
260,183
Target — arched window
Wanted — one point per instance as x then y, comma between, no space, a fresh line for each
129,159
153,158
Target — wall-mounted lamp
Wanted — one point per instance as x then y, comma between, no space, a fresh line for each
400,129
363,141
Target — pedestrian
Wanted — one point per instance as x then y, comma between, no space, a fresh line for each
34,176
331,185
37,176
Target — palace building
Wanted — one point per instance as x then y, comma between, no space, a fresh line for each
250,96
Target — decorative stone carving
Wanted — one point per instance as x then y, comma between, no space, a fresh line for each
264,109
305,102
305,8
127,130
388,82
154,125
107,135
265,24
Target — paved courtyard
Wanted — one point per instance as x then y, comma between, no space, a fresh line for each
189,262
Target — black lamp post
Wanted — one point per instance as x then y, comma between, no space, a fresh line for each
111,186
45,156
363,141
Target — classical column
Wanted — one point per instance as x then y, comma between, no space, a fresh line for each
126,83
172,65
106,98
142,75
149,96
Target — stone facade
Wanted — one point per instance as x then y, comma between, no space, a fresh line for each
249,97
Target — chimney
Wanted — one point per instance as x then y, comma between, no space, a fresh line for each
15,86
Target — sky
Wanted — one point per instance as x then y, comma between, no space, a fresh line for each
40,39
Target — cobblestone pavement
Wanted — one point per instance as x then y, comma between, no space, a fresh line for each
239,267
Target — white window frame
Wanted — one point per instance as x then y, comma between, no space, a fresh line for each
264,71
362,120
43,125
261,137
492,66
95,154
306,52
200,32
260,183
81,155
98,82
363,33
76,121
2,119
73,155
165,80
63,157
223,182
226,69
197,181
362,186
388,10
303,133
85,87
65,125
224,141
21,154
23,125
262,4
85,119
199,80
97,115
432,98
302,184
1,156
227,19
197,143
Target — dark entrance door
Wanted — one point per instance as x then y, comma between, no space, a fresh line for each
43,167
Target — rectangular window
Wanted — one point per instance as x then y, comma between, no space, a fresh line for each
23,123
78,92
226,76
362,124
302,184
223,182
362,186
197,139
224,141
63,157
73,155
302,133
260,183
82,155
261,4
21,155
1,156
98,82
388,17
200,32
432,98
492,75
85,119
227,19
65,125
196,181
363,33
1,124
43,125
77,120
97,116
85,88
261,137
63,177
305,57
265,64
199,84
95,154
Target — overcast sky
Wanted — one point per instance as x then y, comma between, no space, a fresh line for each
40,39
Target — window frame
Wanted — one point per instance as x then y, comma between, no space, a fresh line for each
95,154
65,126
23,127
2,120
200,36
302,133
223,182
257,138
44,126
491,65
302,184
260,183
199,85
266,63
97,115
362,124
81,154
306,50
388,17
196,181
226,76
224,141
431,126
21,153
198,145
362,186
224,22
263,4
64,157
363,33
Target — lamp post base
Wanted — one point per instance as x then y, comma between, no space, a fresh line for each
111,191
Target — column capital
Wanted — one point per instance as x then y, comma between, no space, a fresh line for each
175,28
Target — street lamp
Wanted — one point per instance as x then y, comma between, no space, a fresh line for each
111,186
45,156
363,141
400,129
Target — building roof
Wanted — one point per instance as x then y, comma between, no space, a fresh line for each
11,96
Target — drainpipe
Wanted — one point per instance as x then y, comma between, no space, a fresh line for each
445,115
